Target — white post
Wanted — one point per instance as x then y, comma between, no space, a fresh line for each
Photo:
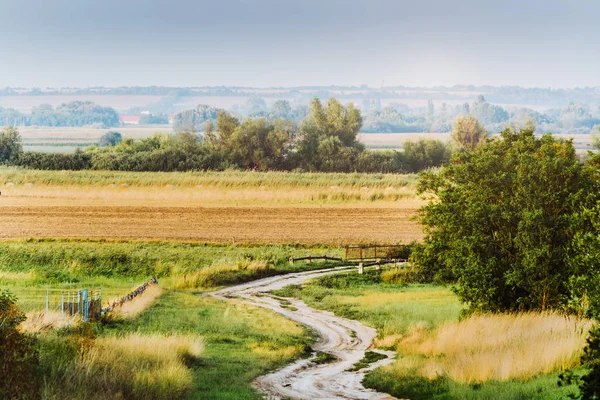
360,268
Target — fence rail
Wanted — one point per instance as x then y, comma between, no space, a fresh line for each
374,253
309,259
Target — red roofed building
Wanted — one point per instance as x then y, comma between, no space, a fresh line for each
129,119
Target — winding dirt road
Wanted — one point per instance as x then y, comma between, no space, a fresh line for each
345,339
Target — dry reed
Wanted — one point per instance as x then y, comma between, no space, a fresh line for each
133,308
492,347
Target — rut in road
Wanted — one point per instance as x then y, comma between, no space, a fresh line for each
343,338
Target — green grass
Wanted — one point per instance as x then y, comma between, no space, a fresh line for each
393,309
224,179
28,267
241,342
543,387
390,308
369,358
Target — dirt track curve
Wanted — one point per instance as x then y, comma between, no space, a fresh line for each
343,338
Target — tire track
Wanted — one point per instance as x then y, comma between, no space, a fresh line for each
345,339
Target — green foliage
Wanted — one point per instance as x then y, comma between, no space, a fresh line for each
56,161
10,146
193,120
502,221
75,113
110,138
425,154
467,133
18,354
151,119
328,137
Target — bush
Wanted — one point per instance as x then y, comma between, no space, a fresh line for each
19,357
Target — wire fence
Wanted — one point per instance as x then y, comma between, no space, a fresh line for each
87,303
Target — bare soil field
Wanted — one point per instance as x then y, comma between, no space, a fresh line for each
245,207
332,225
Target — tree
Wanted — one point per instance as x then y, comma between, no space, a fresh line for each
467,133
10,145
281,109
193,120
18,354
502,222
424,154
110,138
326,131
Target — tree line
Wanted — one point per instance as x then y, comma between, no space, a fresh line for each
75,113
325,140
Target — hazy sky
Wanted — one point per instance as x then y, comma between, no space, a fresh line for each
545,43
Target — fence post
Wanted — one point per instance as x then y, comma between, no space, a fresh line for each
86,305
360,268
291,260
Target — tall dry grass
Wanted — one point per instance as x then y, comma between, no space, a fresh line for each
218,275
44,321
135,307
492,347
134,366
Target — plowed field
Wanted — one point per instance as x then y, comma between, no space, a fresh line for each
212,224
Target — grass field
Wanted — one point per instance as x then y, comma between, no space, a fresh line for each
167,343
29,267
229,206
184,346
440,357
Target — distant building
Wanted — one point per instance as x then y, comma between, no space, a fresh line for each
130,119
171,118
145,113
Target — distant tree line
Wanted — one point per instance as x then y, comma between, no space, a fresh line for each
400,118
326,140
76,113
575,118
502,94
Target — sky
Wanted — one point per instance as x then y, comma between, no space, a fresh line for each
266,43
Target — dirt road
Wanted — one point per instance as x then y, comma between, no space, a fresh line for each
345,339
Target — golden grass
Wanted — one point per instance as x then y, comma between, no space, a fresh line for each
142,366
491,347
42,321
273,353
10,277
209,277
135,307
206,195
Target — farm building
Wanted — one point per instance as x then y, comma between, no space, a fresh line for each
130,119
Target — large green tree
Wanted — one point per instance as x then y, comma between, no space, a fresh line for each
503,218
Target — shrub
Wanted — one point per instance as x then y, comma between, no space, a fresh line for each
18,354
